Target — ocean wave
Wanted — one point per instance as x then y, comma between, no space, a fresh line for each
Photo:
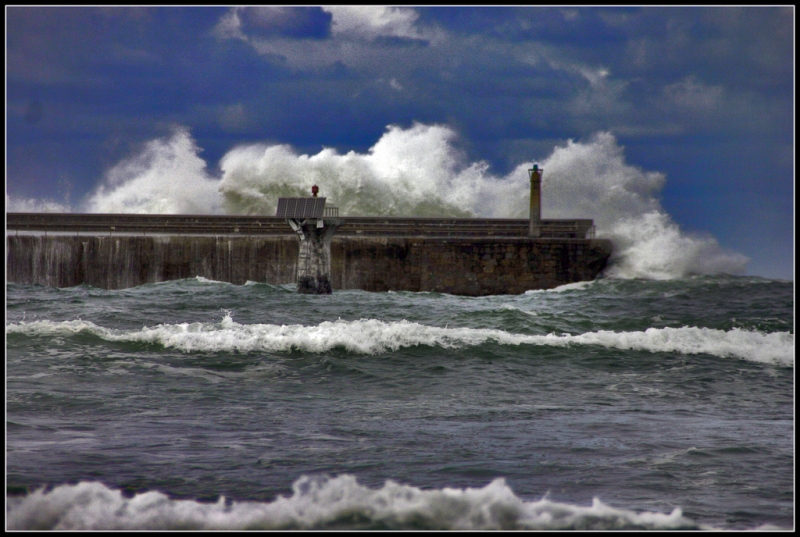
576,286
419,171
372,336
325,503
202,279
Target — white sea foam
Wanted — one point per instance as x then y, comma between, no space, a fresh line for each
512,307
203,279
592,180
166,177
15,204
418,171
319,503
577,286
371,336
408,172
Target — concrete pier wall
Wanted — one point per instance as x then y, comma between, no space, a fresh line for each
465,266
118,262
468,266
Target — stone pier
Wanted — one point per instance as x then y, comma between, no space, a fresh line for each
473,257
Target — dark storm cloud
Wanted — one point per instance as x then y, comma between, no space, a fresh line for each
563,26
693,65
633,70
662,42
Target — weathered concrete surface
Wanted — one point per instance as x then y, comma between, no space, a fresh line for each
463,266
314,257
118,262
469,266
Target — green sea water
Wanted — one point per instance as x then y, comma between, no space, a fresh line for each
200,404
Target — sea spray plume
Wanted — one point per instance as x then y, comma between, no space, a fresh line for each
419,172
648,243
652,246
408,172
167,177
592,180
585,178
30,205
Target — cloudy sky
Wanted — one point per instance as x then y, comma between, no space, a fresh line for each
701,99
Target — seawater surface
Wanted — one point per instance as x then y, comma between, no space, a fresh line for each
200,404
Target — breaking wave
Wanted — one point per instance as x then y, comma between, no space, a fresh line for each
411,172
166,177
592,180
371,336
576,286
325,503
418,171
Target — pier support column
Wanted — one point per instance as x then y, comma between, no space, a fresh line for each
314,255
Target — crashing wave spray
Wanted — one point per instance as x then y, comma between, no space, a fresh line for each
419,172
592,180
16,204
412,172
167,177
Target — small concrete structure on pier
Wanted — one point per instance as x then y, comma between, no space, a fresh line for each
306,216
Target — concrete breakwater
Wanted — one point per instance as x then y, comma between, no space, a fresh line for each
458,256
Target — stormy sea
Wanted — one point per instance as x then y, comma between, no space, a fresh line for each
200,404
659,396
